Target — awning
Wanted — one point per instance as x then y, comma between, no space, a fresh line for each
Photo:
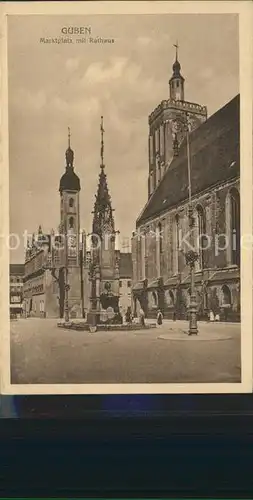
171,281
153,284
187,280
16,306
225,275
138,286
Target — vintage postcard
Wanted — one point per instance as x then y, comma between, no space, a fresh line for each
126,197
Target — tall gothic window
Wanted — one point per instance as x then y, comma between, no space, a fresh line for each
161,139
175,244
160,236
151,182
71,202
233,226
201,236
71,222
151,149
157,140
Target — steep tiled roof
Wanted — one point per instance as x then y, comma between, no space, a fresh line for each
17,269
125,265
215,157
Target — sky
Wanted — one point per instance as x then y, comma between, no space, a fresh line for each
55,86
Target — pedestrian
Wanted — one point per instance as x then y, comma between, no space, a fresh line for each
128,316
142,317
159,317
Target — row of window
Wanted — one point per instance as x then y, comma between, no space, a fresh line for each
16,279
129,284
71,202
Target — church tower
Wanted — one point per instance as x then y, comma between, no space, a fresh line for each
69,205
167,126
104,274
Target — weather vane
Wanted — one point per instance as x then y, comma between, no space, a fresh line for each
176,47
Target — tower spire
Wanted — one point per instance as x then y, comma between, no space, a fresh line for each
102,141
69,153
176,82
103,220
176,47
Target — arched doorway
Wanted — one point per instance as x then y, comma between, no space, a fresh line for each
172,299
226,295
226,301
154,299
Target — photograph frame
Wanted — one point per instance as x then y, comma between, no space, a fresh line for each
246,176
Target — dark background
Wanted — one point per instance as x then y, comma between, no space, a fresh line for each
127,446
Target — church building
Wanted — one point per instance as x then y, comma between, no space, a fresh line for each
211,156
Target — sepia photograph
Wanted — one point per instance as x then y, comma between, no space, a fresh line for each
125,248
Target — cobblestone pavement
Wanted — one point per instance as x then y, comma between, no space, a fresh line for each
42,353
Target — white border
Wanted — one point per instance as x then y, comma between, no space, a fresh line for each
244,9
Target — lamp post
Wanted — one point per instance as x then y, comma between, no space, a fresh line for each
82,254
191,256
66,284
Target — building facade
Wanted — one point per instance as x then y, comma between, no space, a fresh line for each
16,289
161,277
54,261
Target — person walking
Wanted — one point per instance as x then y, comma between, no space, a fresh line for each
142,317
159,317
128,316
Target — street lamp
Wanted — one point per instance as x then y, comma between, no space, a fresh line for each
66,281
191,256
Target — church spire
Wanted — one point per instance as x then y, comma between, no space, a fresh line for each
177,81
102,141
177,47
69,180
103,221
69,153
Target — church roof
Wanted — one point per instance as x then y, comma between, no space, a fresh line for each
215,158
125,265
69,181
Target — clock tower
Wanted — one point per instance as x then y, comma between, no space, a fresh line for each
69,206
166,126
